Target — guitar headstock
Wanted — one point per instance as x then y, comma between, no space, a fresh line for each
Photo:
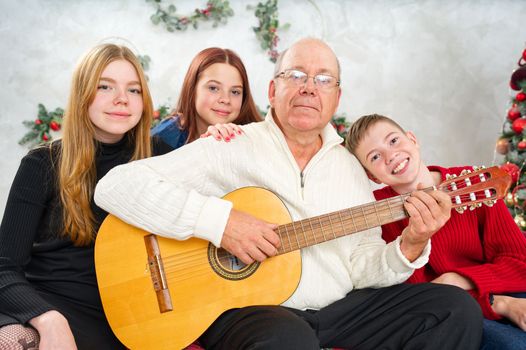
472,188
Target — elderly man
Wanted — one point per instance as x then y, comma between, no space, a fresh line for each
297,154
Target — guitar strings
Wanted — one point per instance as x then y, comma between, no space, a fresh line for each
379,210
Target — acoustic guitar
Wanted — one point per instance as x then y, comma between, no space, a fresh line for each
161,293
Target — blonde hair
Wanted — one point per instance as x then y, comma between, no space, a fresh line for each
359,128
77,173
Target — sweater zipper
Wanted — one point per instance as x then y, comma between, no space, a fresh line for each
302,183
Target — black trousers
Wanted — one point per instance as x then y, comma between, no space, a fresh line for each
405,316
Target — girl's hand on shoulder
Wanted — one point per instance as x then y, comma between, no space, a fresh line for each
512,308
54,331
223,132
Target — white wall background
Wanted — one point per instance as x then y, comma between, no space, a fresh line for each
439,67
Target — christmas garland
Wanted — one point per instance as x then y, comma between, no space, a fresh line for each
216,10
41,127
267,14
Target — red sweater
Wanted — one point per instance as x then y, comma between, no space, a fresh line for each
484,245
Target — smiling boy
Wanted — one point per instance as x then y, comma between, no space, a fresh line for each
480,251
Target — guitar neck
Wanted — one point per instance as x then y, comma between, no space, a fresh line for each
467,189
319,229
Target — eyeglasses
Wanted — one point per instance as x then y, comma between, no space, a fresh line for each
299,78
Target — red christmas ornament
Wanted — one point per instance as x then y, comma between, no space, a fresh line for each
513,86
38,121
502,146
514,113
518,125
56,126
521,145
156,114
524,54
512,169
521,96
45,137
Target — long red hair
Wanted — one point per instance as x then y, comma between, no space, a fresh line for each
186,104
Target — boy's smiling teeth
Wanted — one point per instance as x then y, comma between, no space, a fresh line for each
400,166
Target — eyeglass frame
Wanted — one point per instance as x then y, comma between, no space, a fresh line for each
281,75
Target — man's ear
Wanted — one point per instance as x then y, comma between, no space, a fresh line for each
271,92
372,178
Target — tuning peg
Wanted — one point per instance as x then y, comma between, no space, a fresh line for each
465,172
475,206
461,209
490,202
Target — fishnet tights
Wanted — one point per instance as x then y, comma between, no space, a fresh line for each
18,337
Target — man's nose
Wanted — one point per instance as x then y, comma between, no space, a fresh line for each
308,86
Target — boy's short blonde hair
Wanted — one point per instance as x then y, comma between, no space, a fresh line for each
360,127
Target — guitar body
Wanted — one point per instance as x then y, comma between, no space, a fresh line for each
198,291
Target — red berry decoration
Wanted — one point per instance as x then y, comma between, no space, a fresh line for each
156,114
56,126
514,86
521,145
38,121
512,169
514,113
518,125
521,96
45,137
524,54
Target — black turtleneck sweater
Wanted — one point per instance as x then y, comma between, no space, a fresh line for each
39,269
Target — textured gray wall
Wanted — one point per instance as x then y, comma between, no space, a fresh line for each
441,68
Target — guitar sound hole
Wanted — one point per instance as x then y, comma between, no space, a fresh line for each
227,265
229,261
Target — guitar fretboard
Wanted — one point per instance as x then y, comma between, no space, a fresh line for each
318,229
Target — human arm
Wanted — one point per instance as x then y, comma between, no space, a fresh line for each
176,196
28,200
375,263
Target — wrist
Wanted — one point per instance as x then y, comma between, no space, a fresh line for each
412,250
499,304
47,320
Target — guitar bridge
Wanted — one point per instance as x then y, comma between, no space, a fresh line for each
156,267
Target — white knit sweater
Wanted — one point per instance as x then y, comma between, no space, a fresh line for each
177,195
